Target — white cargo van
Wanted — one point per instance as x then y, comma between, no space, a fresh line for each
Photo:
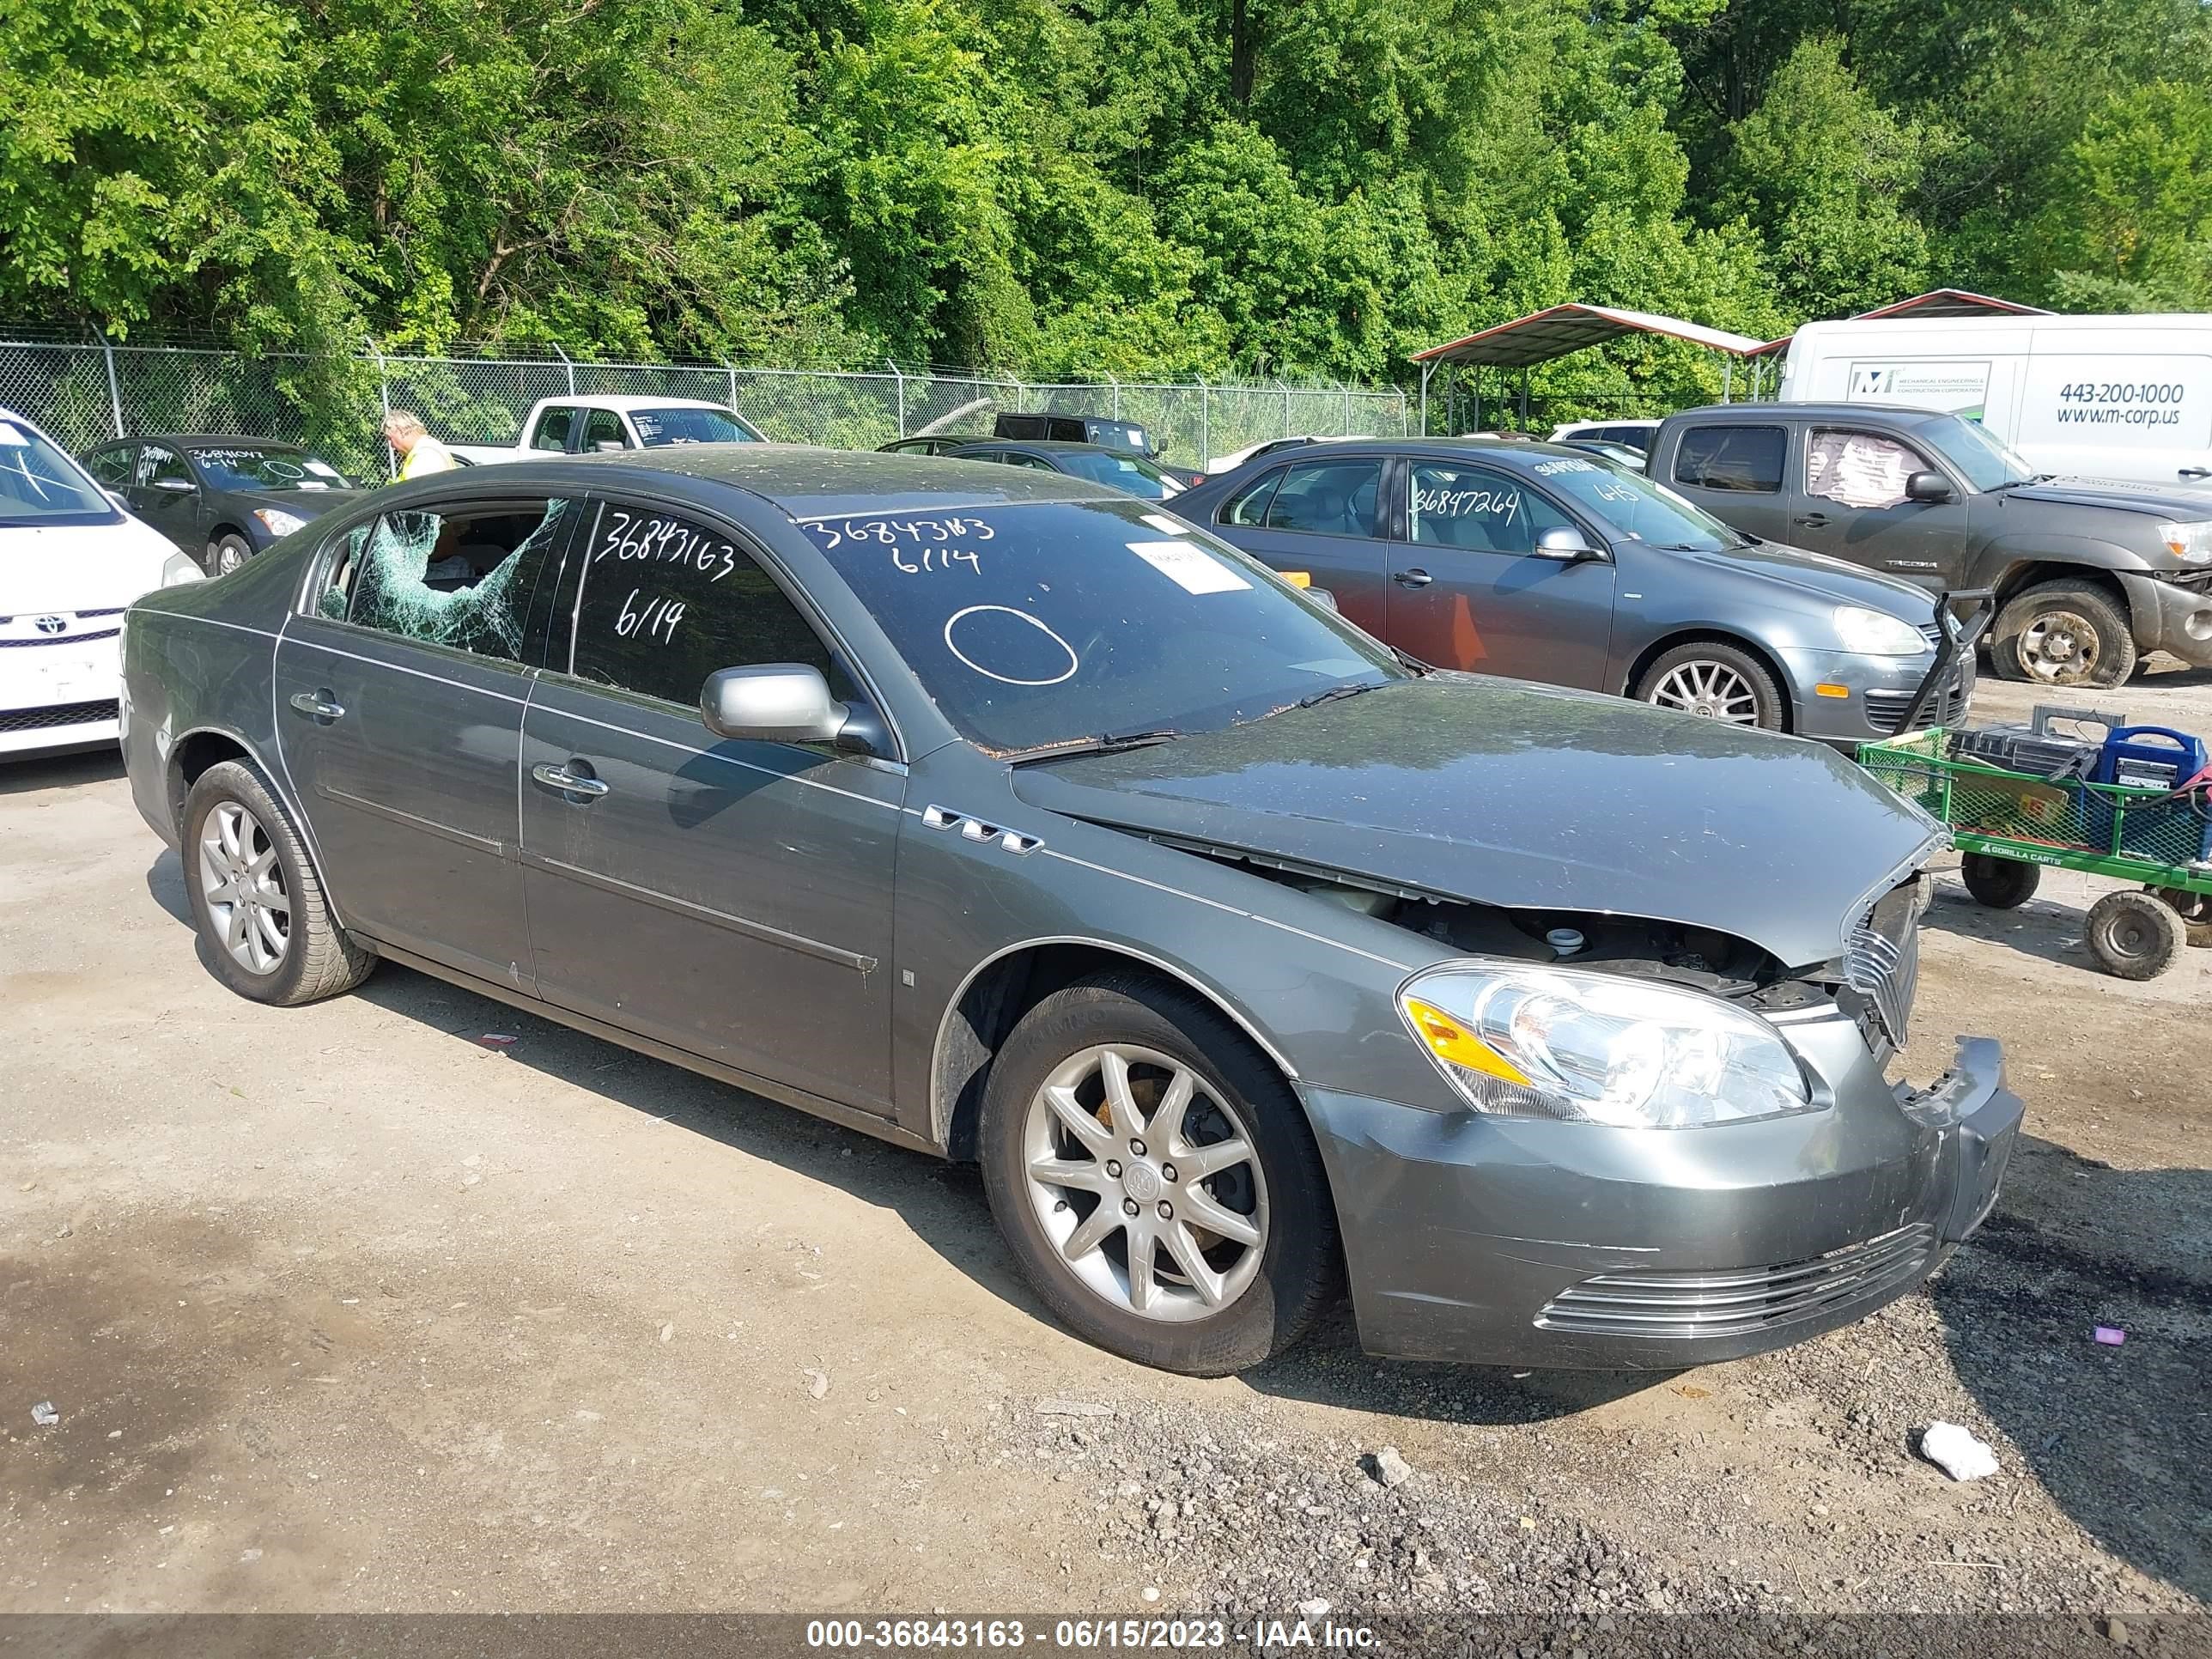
2127,397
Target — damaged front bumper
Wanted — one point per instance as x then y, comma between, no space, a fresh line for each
1501,1241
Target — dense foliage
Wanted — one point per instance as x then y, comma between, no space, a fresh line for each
1087,187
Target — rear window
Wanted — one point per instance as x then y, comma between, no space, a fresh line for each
1735,457
657,429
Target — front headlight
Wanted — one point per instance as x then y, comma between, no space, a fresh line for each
1590,1048
277,521
1877,633
2190,543
179,567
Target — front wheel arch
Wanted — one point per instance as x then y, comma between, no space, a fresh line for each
1003,987
1752,648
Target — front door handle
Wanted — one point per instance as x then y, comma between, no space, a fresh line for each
1413,578
321,704
2197,471
1811,521
554,775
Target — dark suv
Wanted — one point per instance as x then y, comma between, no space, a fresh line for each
1075,429
2089,574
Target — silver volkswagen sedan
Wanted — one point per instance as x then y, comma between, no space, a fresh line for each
1016,821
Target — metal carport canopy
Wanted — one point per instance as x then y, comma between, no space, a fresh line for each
1543,335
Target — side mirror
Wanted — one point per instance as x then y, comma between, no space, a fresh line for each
119,498
610,446
779,702
1566,544
1930,487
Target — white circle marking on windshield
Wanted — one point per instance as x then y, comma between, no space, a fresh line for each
1073,662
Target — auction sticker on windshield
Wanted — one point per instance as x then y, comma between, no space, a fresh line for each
1189,566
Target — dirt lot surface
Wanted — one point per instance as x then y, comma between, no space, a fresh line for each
341,1310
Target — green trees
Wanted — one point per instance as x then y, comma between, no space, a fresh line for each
1119,187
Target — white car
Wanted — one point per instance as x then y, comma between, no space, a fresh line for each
1636,434
1237,458
71,561
589,424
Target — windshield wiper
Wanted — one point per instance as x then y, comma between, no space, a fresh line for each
1406,659
1106,742
2021,484
1332,693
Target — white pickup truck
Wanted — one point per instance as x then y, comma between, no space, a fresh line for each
590,425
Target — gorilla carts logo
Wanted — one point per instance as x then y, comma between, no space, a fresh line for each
50,625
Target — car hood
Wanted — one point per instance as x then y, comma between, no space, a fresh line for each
1506,793
82,567
2167,500
1814,576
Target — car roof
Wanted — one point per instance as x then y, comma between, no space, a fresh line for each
628,401
803,481
202,440
1050,446
1830,411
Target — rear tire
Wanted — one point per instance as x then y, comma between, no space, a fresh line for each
2001,884
2135,934
1717,681
256,896
1238,1261
2063,633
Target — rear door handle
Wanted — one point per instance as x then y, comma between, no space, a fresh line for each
1811,521
554,775
1414,578
2197,471
321,704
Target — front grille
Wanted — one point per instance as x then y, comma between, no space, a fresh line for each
1933,633
61,639
1885,710
1650,1303
61,713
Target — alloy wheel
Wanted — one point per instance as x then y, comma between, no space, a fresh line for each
1712,690
2060,647
243,883
1146,1181
228,555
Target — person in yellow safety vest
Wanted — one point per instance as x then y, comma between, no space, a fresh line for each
420,454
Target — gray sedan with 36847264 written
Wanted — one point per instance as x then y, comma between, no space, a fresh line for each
1006,817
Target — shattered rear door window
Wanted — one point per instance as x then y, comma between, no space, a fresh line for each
462,579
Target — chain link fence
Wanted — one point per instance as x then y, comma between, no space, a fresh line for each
83,394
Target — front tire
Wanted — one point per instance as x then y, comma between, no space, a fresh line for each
2000,883
1719,682
1157,1179
226,553
255,895
2063,633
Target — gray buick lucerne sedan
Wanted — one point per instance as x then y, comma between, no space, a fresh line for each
1013,820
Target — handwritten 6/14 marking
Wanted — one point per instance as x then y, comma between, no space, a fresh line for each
664,541
657,621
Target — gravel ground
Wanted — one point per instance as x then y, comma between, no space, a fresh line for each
339,1310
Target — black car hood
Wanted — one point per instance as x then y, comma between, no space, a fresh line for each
2167,500
1507,793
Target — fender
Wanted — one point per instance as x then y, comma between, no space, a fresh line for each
1997,559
